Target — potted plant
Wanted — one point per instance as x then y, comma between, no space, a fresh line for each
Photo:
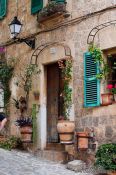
25,124
65,127
112,88
106,157
50,9
36,95
24,120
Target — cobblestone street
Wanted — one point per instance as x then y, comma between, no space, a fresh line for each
18,163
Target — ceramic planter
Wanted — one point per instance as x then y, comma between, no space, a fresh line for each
107,99
82,140
66,131
26,133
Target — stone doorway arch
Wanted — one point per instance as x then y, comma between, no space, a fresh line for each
44,55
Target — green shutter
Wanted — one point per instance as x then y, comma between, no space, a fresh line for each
61,1
36,6
3,7
91,83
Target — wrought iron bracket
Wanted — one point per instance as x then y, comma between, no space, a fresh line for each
29,42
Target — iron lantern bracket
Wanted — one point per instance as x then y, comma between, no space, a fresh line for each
29,42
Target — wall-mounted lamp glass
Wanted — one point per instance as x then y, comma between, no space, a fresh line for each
15,28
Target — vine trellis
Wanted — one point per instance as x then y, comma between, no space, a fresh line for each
95,30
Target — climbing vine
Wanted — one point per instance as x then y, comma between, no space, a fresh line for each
97,55
66,68
6,72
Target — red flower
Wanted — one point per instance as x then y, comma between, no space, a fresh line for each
109,86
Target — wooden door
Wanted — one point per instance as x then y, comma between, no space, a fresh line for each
52,102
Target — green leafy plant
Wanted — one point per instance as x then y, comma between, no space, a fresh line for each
97,55
34,124
10,143
106,156
6,72
25,81
66,68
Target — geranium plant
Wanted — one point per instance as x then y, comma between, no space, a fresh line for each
112,88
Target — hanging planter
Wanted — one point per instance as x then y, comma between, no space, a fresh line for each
36,95
82,140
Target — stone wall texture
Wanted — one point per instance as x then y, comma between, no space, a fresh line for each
102,119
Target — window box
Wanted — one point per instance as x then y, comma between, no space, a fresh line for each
52,10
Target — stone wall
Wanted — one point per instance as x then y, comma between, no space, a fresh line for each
76,37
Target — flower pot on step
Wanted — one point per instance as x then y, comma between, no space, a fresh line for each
66,131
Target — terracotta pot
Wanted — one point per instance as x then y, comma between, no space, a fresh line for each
107,99
115,97
66,131
82,140
26,133
112,173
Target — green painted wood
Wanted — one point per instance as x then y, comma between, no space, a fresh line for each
60,1
3,8
36,6
91,83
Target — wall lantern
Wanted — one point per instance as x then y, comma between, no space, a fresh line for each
15,28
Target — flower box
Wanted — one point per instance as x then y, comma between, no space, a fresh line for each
52,10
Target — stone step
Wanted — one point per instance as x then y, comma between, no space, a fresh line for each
52,155
55,147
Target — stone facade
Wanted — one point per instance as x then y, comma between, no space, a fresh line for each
72,31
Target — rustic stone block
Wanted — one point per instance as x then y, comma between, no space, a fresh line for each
76,165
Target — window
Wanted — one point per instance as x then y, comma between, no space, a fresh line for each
112,63
3,6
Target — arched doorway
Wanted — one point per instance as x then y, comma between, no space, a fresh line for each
47,57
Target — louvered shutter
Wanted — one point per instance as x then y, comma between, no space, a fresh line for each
91,83
61,1
3,7
36,6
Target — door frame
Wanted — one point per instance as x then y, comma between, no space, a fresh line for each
47,58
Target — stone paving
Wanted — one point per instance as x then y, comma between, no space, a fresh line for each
20,163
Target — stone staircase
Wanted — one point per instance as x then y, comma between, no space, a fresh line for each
53,152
